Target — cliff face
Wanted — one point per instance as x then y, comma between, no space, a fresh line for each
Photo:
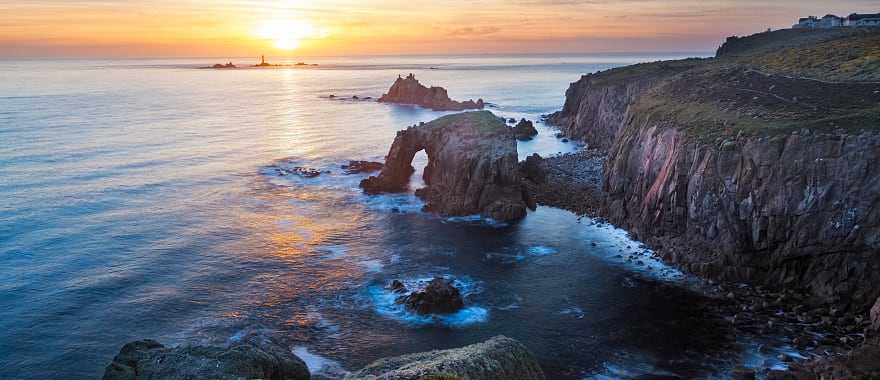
409,91
766,178
472,166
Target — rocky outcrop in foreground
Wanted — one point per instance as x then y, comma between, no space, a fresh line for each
472,167
499,358
409,91
249,359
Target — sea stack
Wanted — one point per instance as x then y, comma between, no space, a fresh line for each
409,91
472,167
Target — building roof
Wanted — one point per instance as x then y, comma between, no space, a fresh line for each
856,16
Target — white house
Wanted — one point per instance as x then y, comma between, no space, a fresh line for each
832,21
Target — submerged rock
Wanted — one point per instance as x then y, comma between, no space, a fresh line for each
355,167
249,359
439,297
300,171
472,167
409,91
499,358
524,130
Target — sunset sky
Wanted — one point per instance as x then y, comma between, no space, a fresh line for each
235,28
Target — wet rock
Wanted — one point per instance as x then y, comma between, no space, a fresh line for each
532,169
875,317
439,297
524,130
355,167
397,286
409,91
499,358
252,358
743,373
299,171
472,167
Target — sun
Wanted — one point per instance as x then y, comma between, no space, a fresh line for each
286,34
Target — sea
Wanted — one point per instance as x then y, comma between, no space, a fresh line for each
152,199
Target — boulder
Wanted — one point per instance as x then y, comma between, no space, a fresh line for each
355,167
499,358
472,167
875,318
249,359
409,91
439,297
533,169
524,130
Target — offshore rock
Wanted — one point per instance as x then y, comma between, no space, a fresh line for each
409,91
249,359
355,167
524,130
499,358
439,297
472,167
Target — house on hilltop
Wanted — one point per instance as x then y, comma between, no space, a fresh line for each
832,21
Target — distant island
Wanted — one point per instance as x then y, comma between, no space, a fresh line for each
409,91
262,64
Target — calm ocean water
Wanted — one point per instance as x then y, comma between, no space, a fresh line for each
140,199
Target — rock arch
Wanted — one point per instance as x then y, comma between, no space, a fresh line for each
472,167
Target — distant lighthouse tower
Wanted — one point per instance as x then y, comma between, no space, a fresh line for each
263,60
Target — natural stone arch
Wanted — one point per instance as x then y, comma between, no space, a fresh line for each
472,166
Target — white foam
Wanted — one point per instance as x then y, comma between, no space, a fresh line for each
319,365
373,266
540,250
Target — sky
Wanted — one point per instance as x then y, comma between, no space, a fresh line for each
297,28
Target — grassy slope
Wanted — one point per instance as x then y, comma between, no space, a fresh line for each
773,83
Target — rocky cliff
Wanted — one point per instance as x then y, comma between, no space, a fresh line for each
744,172
472,166
409,91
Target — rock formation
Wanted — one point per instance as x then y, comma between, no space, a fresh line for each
439,297
524,130
249,359
741,175
355,167
472,167
409,91
499,358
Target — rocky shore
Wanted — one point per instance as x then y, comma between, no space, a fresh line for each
258,358
761,183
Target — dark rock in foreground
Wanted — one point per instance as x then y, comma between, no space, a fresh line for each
524,130
249,359
499,358
354,167
439,297
472,167
410,91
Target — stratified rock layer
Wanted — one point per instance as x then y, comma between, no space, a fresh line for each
409,91
741,175
472,167
499,358
147,359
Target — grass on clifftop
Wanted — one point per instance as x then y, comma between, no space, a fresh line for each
854,58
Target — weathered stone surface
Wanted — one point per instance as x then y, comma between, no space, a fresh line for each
524,130
499,358
409,91
472,167
249,359
875,318
439,297
355,167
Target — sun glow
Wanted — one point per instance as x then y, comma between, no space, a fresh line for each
287,34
